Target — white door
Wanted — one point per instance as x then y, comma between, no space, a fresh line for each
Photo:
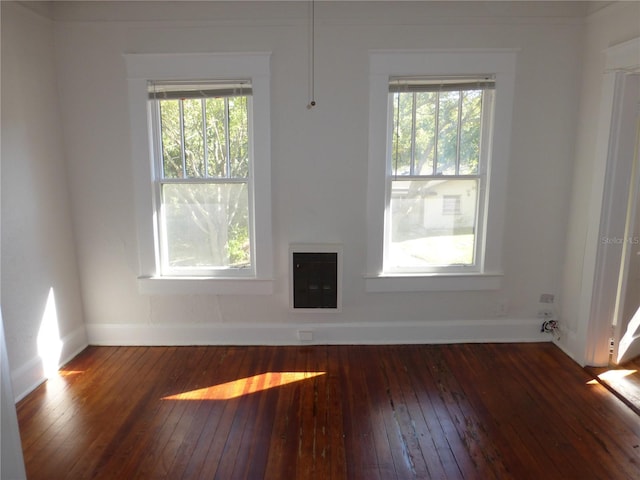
627,313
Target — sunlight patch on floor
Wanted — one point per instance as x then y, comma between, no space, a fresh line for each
244,386
612,375
69,373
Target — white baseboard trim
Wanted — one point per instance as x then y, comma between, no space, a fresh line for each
568,343
30,375
434,332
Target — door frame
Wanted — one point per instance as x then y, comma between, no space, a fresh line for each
609,196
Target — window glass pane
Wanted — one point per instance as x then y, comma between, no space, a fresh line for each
470,132
193,137
401,141
432,223
216,137
425,132
171,138
447,133
206,225
238,137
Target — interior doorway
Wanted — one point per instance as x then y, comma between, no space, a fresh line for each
626,319
622,375
608,210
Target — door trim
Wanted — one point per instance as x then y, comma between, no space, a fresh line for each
609,195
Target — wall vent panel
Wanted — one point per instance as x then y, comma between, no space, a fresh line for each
315,277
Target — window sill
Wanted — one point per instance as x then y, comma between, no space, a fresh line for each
204,286
433,282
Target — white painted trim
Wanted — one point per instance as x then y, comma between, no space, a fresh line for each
204,286
392,332
165,66
30,375
434,283
609,196
382,65
624,56
27,378
567,344
204,66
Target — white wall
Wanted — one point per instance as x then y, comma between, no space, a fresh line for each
319,161
64,106
610,26
38,248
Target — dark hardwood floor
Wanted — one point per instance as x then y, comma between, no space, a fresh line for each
622,380
521,411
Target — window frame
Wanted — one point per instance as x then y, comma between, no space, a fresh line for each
206,67
480,176
385,65
161,180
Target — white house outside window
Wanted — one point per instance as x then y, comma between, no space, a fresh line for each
439,130
439,139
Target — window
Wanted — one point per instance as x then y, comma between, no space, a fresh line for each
201,143
437,159
203,177
439,130
451,205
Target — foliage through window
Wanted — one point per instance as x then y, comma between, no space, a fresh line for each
437,162
203,176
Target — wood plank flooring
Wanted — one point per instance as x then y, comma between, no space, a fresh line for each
521,411
623,380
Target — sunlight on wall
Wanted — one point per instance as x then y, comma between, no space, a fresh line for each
49,343
244,386
629,345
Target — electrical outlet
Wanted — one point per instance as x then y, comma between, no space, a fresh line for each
545,313
547,298
305,335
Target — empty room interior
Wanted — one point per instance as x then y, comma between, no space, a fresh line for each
320,239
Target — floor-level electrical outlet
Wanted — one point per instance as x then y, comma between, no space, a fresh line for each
502,308
305,335
545,313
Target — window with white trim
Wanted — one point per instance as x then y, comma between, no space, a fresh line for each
201,153
438,134
203,178
439,139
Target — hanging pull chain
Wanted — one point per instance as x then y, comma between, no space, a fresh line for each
312,56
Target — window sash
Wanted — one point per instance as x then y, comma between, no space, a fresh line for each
157,119
167,231
392,176
486,104
160,181
477,227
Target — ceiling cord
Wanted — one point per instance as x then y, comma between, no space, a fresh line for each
312,55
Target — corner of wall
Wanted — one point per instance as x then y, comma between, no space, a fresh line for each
27,377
